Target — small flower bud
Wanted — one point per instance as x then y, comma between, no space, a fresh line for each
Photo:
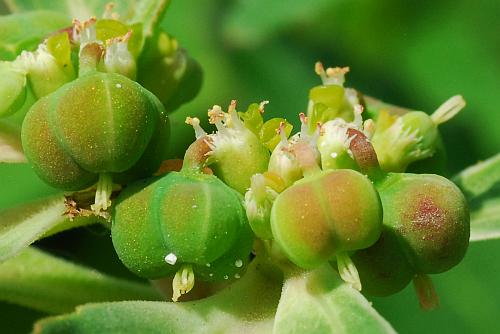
330,100
283,162
236,152
414,136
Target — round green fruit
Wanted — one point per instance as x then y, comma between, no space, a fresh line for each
99,123
383,268
431,218
182,219
324,214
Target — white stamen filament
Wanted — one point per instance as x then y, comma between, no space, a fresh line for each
183,281
348,271
195,123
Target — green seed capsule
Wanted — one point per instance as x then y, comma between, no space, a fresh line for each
197,218
185,222
98,124
325,214
383,268
430,216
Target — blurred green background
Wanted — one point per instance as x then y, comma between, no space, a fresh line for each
414,54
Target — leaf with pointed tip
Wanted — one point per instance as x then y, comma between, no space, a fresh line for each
46,283
481,185
318,301
246,306
11,150
24,31
23,225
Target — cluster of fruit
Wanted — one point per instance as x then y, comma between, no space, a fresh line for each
336,191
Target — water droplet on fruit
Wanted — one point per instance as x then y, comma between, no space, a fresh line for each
171,258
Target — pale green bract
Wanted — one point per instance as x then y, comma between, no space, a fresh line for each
318,301
247,306
481,185
44,282
23,225
11,150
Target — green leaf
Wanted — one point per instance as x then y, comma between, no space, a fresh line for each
246,306
248,21
79,9
478,179
23,225
481,185
318,301
25,31
41,281
11,150
485,219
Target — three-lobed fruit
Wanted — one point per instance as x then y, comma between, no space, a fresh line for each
324,214
194,218
99,123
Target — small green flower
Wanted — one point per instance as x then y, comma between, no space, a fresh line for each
283,162
236,152
401,140
259,200
49,67
331,100
334,141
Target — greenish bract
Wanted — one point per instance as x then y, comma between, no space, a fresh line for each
12,88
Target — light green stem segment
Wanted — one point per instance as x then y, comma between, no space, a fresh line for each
348,271
426,292
103,193
183,281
